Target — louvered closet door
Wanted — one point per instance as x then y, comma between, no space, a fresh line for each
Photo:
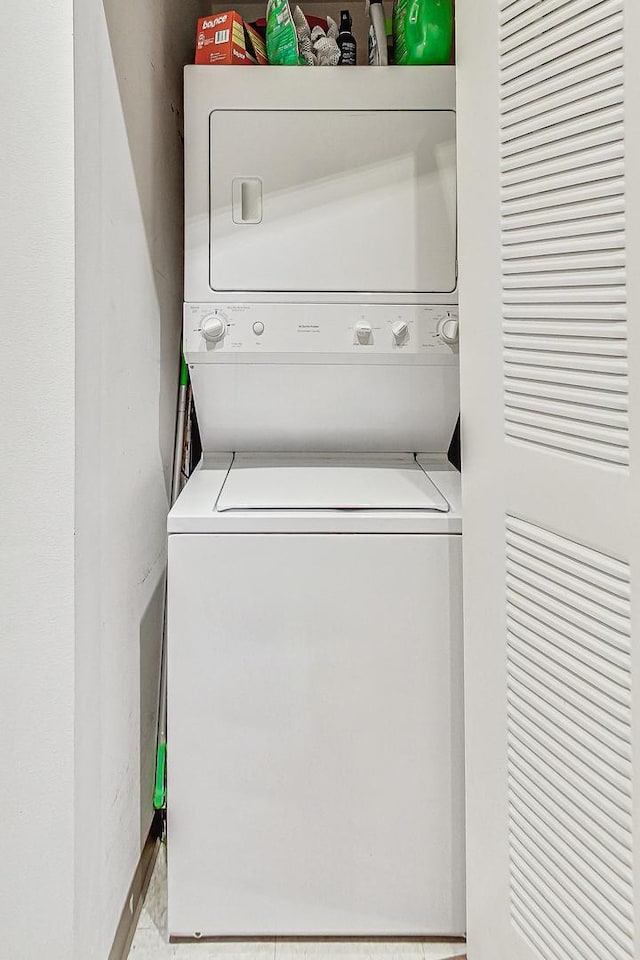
549,201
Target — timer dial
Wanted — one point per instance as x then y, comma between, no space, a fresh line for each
448,330
214,327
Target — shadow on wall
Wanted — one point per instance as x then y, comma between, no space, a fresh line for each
150,42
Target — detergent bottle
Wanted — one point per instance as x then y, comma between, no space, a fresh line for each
378,52
422,31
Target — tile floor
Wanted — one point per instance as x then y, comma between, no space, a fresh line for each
151,942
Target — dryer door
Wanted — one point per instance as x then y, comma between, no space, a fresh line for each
333,201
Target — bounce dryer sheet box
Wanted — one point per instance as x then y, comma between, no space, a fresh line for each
224,38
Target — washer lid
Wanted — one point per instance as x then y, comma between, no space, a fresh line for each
286,483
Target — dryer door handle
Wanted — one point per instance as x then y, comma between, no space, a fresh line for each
247,200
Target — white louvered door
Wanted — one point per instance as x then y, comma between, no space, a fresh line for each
549,201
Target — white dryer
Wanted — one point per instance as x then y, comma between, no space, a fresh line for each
315,747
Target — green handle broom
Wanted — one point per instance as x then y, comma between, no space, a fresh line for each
160,789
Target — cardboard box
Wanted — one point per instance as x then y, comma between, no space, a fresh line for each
224,38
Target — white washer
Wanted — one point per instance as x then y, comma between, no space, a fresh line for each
315,776
315,748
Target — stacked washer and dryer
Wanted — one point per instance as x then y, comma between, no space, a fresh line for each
315,712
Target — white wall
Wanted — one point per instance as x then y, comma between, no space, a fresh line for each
128,310
89,377
37,480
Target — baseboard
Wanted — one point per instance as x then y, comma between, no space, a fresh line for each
135,897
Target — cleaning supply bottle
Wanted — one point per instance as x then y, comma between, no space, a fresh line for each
422,31
377,35
346,41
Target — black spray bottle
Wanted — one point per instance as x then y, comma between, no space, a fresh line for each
346,41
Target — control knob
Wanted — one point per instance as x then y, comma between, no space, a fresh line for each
363,331
400,331
213,328
448,330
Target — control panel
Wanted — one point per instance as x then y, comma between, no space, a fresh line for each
347,329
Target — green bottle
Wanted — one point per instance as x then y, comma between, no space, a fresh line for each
422,31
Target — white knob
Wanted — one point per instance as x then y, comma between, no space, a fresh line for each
448,330
400,330
363,331
213,328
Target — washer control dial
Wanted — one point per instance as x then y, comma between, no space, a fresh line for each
400,331
363,331
448,330
214,327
